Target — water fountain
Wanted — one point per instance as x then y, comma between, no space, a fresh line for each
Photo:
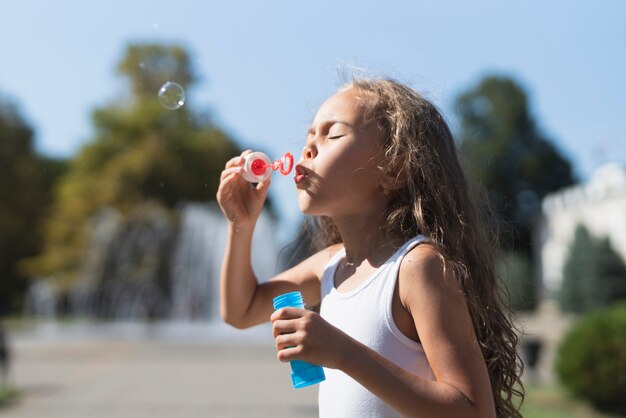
198,257
155,266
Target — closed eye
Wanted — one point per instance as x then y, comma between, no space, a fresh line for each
335,137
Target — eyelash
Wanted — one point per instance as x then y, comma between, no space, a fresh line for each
335,137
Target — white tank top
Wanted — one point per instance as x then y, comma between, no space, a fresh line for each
365,314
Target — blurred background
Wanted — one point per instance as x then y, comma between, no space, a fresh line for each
111,240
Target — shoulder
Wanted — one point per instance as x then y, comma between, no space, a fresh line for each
332,249
423,260
426,274
317,262
304,276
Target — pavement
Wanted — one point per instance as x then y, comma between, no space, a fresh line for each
97,376
181,370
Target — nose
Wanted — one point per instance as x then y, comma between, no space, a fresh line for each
308,152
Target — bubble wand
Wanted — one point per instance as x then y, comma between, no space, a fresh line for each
257,164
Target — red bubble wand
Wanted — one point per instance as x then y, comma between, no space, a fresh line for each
256,165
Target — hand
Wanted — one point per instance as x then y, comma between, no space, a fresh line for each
304,335
239,200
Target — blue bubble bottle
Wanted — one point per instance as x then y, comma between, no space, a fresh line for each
303,373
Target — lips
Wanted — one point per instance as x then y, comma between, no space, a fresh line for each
300,174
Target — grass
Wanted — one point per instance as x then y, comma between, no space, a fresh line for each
8,394
553,402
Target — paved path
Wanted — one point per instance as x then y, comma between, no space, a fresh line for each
177,370
94,378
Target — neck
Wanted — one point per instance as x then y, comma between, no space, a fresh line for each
365,238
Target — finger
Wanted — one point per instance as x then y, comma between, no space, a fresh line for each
283,326
226,172
289,353
235,161
264,186
287,313
246,152
226,183
284,341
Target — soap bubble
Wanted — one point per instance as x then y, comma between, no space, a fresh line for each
172,95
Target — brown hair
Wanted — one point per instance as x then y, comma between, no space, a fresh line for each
438,201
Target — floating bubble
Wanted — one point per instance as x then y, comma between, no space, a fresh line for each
172,95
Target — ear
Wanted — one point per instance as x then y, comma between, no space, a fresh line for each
392,182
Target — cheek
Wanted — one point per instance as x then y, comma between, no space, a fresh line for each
345,164
356,170
361,154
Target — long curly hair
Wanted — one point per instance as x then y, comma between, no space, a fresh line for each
439,202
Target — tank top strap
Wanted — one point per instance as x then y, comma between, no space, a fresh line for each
394,269
393,266
328,274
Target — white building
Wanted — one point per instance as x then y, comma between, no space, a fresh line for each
599,205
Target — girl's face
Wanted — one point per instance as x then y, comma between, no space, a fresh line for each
338,173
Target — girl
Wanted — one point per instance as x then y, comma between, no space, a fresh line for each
410,321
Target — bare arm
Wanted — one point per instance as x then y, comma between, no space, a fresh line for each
243,301
461,387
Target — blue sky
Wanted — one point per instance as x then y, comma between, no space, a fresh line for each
265,66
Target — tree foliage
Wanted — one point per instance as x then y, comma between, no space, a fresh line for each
148,67
591,359
594,275
140,152
506,152
519,284
26,180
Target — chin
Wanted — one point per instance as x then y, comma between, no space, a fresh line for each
304,202
310,206
306,208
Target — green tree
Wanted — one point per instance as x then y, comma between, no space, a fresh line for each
577,267
148,66
519,284
26,179
594,275
611,276
591,359
506,152
140,152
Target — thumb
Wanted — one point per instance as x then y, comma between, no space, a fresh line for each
263,186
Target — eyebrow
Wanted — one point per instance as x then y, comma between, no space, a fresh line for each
331,122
